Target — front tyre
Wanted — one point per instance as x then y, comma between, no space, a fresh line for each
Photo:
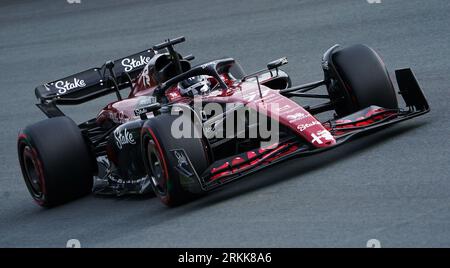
158,144
56,163
363,80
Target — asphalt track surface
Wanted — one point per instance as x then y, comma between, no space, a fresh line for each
393,186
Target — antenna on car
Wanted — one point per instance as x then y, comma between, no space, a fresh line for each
259,88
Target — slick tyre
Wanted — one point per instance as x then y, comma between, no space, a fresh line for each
158,145
56,162
364,80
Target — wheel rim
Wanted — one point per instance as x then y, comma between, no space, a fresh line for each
32,174
155,164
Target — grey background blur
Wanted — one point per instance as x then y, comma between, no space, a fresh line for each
393,186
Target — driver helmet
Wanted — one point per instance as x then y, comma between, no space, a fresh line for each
194,86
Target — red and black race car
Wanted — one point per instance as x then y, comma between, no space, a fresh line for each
184,130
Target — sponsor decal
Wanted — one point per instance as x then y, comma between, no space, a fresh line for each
123,137
117,117
116,179
139,111
303,127
145,76
130,64
284,108
296,117
320,136
145,101
181,158
64,86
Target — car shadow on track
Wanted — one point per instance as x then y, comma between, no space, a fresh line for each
287,170
297,167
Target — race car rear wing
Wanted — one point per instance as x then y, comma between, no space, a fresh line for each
93,83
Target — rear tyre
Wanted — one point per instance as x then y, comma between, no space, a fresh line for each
158,143
364,80
56,162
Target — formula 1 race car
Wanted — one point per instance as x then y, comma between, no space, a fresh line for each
184,130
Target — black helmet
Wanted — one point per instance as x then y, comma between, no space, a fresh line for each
194,85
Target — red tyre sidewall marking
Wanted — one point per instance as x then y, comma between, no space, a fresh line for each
37,164
166,198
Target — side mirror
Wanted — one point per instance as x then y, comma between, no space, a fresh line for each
277,63
189,57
